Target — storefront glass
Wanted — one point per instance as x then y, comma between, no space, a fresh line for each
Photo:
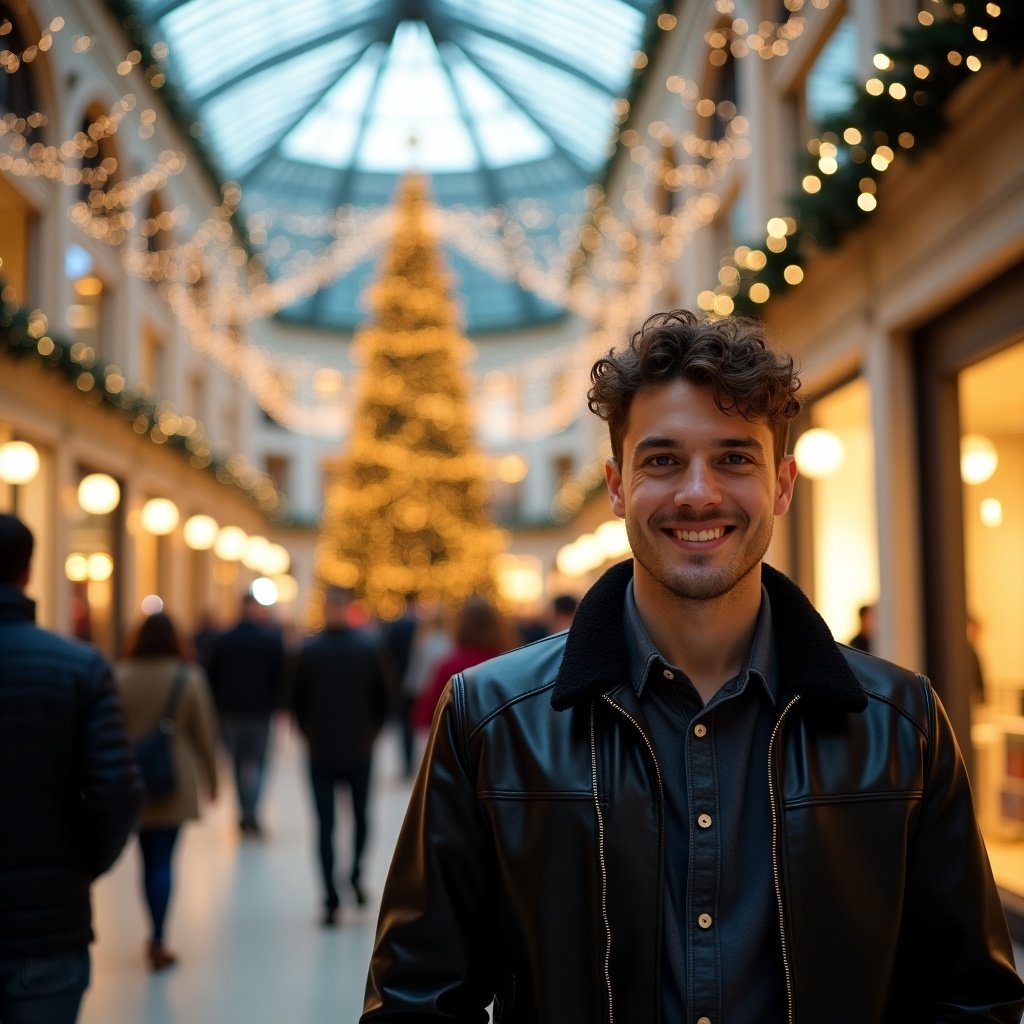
838,457
991,399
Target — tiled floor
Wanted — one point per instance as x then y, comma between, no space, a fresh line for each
244,918
244,915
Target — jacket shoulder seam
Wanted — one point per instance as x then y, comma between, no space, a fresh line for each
505,705
918,724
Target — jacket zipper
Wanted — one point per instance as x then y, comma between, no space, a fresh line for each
776,869
600,835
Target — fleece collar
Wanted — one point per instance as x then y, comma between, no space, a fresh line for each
810,664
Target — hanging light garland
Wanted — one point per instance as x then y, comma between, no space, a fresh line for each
215,285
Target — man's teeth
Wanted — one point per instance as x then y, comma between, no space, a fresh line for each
699,534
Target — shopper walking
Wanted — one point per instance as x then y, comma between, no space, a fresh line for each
70,795
341,699
155,679
247,679
695,805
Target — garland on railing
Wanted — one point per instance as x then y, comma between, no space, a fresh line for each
24,335
900,111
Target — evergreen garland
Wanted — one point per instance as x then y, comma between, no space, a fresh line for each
824,218
24,336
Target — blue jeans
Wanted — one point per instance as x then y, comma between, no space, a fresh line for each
157,846
246,738
43,989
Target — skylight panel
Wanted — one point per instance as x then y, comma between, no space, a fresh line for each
506,135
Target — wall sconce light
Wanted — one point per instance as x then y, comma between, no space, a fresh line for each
819,453
978,459
98,494
159,516
19,462
230,543
200,532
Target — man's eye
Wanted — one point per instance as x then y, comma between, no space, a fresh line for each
736,459
660,460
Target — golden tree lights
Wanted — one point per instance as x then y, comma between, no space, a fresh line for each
406,508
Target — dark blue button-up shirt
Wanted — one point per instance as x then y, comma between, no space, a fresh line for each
722,955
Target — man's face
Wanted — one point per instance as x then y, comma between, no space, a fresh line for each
698,490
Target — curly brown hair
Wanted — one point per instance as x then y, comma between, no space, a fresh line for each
730,356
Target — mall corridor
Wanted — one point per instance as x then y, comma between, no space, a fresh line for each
244,918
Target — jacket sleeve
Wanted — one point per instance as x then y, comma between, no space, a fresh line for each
111,786
431,957
955,956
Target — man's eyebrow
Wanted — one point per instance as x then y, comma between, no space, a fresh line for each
656,441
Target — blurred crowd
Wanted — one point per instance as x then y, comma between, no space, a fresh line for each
88,728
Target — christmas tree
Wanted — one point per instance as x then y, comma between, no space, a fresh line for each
405,508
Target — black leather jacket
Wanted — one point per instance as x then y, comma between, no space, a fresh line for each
530,868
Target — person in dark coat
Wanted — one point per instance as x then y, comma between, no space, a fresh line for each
341,698
246,676
70,795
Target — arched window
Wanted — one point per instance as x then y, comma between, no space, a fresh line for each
18,93
99,159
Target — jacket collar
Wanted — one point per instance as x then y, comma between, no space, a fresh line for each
15,606
810,664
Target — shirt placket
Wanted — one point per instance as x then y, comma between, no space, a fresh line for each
703,988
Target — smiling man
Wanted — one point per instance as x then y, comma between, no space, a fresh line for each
696,805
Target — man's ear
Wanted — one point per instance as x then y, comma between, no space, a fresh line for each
784,485
613,479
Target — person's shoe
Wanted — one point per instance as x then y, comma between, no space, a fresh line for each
160,957
330,918
357,891
251,829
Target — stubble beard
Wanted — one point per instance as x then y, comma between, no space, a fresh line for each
693,577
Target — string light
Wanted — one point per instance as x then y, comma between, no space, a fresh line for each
215,287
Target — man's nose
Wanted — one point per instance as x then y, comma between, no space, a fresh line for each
698,486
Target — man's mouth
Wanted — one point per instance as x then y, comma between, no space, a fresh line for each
698,535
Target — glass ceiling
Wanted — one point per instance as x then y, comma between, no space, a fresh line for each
313,105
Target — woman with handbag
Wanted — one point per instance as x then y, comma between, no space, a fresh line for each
161,689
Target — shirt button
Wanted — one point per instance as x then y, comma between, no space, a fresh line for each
668,673
704,820
704,920
700,730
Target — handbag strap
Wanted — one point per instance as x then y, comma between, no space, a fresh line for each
175,695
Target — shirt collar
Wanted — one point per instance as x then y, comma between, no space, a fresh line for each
642,654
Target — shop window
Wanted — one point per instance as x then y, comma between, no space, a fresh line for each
17,223
153,368
839,463
562,468
991,471
93,559
280,468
